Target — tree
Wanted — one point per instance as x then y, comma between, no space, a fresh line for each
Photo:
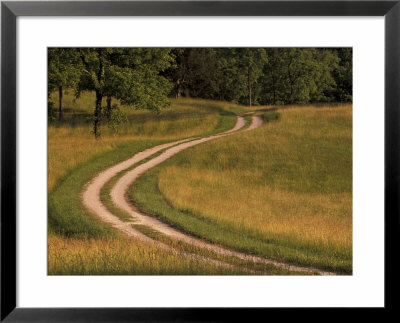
239,72
298,75
194,74
324,62
131,75
343,75
252,62
272,78
143,77
64,71
298,72
232,80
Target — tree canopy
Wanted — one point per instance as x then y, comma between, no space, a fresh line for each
63,72
254,76
144,78
130,75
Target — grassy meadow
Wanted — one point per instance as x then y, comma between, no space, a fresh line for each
78,242
71,142
123,256
282,191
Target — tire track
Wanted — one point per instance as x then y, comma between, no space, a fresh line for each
91,199
120,199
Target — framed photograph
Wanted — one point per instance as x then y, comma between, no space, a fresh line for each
197,160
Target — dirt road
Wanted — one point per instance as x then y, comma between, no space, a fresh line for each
91,198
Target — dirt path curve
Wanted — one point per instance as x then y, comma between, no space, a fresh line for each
119,197
91,199
256,121
91,195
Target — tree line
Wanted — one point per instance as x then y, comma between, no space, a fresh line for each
145,77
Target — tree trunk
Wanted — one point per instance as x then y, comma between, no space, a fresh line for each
177,90
249,83
97,115
273,90
250,95
274,102
108,111
109,98
60,103
290,82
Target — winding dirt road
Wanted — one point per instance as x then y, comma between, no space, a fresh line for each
256,121
91,195
91,199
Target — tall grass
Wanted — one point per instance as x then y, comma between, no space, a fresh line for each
66,213
71,142
122,256
79,243
247,266
75,157
283,190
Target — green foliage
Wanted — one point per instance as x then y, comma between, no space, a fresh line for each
271,115
343,75
64,68
115,117
51,113
128,74
131,75
144,77
253,76
241,69
298,75
63,71
194,73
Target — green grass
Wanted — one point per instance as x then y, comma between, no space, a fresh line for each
75,157
79,243
264,269
122,256
71,142
282,191
66,214
270,115
258,268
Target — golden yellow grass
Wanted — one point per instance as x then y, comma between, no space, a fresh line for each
120,256
306,219
227,181
71,143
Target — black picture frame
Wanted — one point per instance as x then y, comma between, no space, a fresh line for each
11,10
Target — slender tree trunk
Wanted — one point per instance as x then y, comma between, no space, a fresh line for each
60,103
250,95
274,102
249,83
109,99
99,96
290,81
273,90
109,107
177,89
97,115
